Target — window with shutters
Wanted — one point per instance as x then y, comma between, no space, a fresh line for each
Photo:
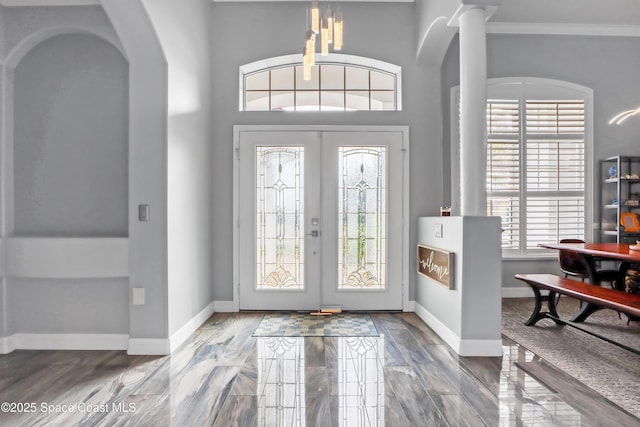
537,143
536,167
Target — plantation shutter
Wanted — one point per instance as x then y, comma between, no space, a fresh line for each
555,171
503,167
535,170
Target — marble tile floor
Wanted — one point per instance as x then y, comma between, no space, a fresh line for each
225,377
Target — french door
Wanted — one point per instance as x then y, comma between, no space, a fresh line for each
320,219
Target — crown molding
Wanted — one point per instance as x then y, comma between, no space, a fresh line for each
560,29
25,3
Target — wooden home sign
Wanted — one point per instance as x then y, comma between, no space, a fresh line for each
435,264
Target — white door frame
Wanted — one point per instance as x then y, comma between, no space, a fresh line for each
404,130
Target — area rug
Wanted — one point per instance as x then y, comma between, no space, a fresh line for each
305,325
609,370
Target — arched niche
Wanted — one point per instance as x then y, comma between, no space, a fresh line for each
70,138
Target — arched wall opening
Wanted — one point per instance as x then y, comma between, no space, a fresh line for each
70,139
65,141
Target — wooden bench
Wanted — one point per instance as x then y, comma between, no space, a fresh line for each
596,297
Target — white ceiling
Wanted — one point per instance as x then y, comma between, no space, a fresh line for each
603,12
576,13
49,2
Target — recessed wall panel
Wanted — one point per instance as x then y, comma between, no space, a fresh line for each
70,139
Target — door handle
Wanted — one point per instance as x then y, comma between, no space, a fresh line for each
314,233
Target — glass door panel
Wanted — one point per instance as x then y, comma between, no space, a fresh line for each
362,218
280,217
278,266
362,207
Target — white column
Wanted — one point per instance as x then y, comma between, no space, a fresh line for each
473,121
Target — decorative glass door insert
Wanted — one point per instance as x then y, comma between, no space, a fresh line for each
362,217
280,218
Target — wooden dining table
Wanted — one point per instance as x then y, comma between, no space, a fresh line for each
590,255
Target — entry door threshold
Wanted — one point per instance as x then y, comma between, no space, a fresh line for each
326,310
331,309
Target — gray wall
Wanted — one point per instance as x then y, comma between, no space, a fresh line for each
467,314
247,32
67,110
70,139
166,116
147,171
69,306
608,65
184,31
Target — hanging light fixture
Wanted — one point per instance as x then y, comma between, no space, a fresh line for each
338,28
324,36
311,48
328,24
306,66
315,17
308,55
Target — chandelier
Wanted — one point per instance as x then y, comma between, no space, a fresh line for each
624,116
329,25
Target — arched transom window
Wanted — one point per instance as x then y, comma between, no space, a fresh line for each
338,83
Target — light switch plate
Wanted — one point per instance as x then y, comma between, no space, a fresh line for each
439,231
138,296
144,213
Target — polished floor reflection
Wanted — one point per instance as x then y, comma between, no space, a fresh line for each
282,381
224,377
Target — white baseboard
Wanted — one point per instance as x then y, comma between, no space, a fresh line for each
410,307
438,327
190,327
65,342
134,346
517,292
7,345
149,346
481,348
468,348
224,307
83,342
